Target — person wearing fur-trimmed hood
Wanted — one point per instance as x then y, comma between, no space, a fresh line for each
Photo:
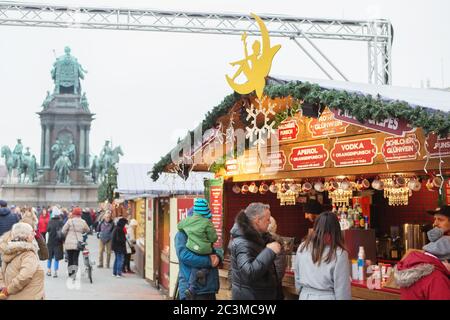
21,276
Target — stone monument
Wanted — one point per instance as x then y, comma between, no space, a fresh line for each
64,176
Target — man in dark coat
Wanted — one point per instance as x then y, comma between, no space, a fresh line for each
253,253
7,218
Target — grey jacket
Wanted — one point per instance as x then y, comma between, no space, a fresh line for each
329,281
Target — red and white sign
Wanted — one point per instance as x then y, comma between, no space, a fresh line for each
276,161
215,204
250,164
437,147
183,206
394,126
401,148
308,157
288,130
354,153
232,167
326,125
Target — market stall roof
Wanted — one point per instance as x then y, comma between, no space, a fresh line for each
133,181
428,98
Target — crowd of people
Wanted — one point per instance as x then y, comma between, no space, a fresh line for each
29,236
321,268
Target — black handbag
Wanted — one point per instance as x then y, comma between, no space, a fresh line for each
60,235
80,244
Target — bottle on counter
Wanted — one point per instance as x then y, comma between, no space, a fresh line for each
366,222
361,259
354,269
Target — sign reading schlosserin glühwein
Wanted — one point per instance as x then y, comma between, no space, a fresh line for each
326,125
437,147
354,153
401,148
215,200
308,157
397,127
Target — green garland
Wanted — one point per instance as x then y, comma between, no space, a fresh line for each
362,107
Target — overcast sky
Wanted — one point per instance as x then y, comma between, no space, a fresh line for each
147,89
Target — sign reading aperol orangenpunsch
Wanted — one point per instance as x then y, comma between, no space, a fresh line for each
308,157
354,152
326,125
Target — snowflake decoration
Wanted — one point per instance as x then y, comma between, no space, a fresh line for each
258,136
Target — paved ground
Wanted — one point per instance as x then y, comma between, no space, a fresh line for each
104,286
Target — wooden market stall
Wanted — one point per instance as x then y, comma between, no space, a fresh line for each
158,206
353,147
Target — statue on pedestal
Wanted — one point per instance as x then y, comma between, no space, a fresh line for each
84,103
47,100
67,73
62,167
17,154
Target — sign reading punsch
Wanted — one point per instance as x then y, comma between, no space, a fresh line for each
308,157
354,153
437,147
401,148
288,130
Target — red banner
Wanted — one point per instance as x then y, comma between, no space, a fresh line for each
326,125
288,130
276,162
215,204
394,126
354,153
396,148
437,147
308,157
183,206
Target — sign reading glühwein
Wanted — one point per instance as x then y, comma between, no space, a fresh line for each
354,153
288,130
215,202
276,161
394,126
308,157
401,148
437,147
326,125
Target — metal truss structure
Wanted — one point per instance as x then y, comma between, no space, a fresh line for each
377,33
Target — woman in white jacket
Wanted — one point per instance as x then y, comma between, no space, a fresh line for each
322,270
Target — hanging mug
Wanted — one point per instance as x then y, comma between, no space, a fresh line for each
319,187
273,187
400,182
253,188
236,189
430,184
414,184
437,182
365,184
345,184
244,189
377,184
332,185
263,188
306,187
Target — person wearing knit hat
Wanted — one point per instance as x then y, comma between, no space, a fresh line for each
201,237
